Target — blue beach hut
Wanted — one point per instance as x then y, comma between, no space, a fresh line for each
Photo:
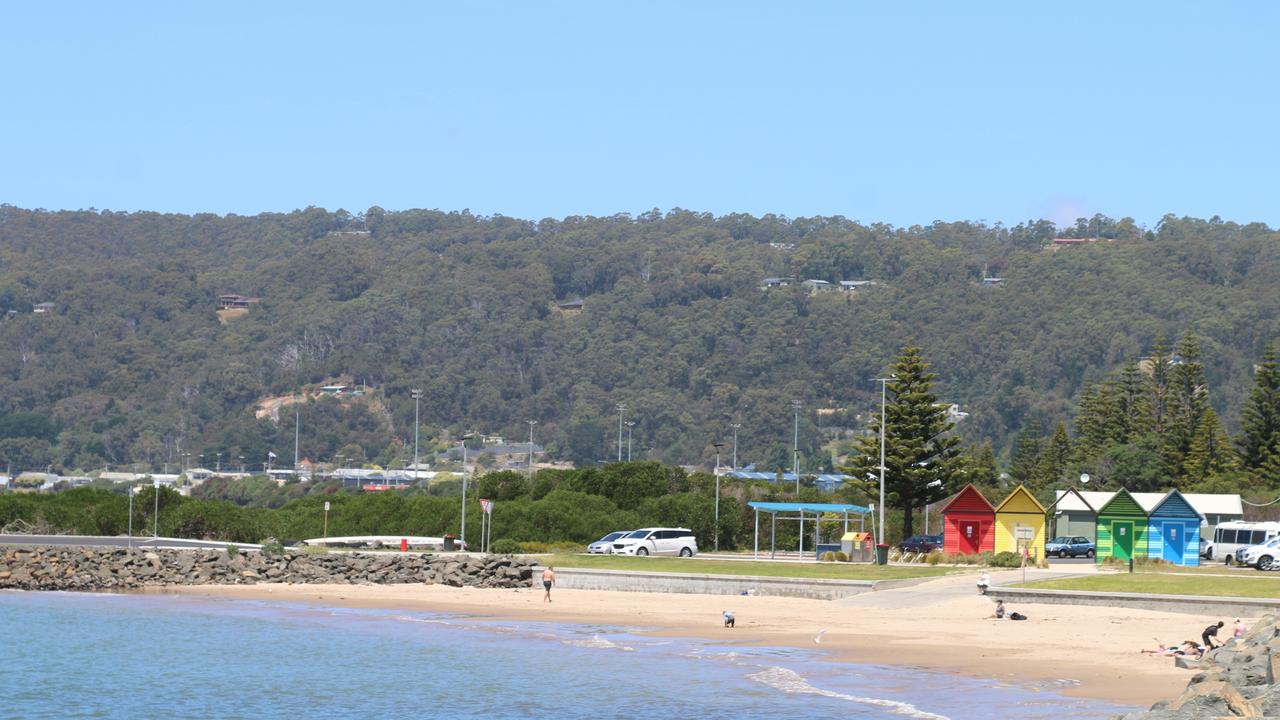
1173,530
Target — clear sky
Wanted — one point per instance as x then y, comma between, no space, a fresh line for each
898,112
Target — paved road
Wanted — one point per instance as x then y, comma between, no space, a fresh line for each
949,587
120,542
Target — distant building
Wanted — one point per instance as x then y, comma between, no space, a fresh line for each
852,285
43,308
1059,243
817,286
334,390
231,301
572,305
774,282
993,282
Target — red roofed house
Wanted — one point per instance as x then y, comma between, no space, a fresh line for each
968,523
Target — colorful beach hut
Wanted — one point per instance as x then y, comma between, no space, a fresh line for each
1020,524
968,523
1122,528
1173,530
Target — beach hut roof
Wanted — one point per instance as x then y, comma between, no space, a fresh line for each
1075,500
1174,504
969,500
1021,500
1122,504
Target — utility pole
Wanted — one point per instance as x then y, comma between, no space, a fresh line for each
417,397
630,424
735,427
883,421
297,427
795,445
621,407
531,424
219,466
463,532
717,446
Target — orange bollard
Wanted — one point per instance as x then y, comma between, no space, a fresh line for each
404,544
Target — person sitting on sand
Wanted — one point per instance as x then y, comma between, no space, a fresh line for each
729,620
999,612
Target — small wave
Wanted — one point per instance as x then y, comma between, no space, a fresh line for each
598,642
790,681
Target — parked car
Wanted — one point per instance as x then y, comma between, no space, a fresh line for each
1206,549
604,546
1263,557
657,541
921,543
1068,546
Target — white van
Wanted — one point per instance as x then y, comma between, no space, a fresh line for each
1232,537
657,541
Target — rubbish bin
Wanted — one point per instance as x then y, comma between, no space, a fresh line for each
449,543
882,554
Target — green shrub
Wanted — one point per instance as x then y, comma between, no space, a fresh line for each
841,556
314,549
827,556
934,557
505,546
232,551
1006,559
272,547
542,548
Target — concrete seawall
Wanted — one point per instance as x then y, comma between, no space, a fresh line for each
1191,604
691,583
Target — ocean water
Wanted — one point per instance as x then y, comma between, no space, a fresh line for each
67,655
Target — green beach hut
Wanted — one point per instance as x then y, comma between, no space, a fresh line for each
1122,528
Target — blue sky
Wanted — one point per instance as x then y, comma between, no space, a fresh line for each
903,113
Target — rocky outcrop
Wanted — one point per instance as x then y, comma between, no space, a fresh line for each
100,569
1239,679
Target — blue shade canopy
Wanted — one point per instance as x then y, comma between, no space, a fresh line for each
809,507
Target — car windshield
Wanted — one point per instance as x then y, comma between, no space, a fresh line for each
639,534
612,536
1061,541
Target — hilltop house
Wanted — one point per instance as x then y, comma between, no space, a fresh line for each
774,282
852,285
43,308
993,282
817,286
232,301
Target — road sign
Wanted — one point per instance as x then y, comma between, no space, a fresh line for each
156,482
486,505
326,506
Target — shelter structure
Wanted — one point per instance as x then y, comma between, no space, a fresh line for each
810,511
1173,530
1082,521
1122,528
968,523
1076,513
1020,524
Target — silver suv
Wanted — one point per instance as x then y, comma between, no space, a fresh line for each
657,541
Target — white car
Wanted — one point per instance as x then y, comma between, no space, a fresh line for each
657,541
604,546
1263,557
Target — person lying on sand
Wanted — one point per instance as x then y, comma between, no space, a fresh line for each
1186,649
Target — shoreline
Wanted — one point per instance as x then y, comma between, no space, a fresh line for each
1086,652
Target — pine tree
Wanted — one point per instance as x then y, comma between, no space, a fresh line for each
1092,431
1260,417
1187,406
919,449
980,467
1055,459
1210,452
1158,367
1026,455
1132,405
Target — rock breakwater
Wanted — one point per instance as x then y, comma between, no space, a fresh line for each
90,569
1239,679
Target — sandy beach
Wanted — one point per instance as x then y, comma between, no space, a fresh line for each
1087,651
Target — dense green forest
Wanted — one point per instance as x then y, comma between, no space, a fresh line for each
131,365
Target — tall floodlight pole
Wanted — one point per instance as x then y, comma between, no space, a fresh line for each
735,427
883,421
795,445
417,398
218,469
630,424
462,533
621,408
531,424
155,534
297,427
717,446
131,489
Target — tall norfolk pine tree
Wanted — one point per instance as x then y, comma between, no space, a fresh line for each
1259,440
919,449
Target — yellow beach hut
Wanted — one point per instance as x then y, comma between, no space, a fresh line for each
1020,523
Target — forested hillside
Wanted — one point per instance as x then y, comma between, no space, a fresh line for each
132,365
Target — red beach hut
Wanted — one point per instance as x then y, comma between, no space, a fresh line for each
968,523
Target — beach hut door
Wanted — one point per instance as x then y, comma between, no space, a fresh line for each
1175,542
1122,539
969,541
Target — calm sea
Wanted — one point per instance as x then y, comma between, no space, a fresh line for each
68,655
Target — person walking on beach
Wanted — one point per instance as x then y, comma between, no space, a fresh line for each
548,579
1210,634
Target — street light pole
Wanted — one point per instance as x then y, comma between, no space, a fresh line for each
218,468
417,397
462,533
717,446
883,421
795,445
630,424
621,407
531,424
155,534
735,427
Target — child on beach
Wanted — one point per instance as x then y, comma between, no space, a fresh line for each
999,613
728,618
1239,630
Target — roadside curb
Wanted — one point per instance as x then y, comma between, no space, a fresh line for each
1192,604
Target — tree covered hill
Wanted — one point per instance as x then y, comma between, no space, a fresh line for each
132,364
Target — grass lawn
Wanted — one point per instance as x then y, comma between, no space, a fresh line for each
1257,585
828,571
